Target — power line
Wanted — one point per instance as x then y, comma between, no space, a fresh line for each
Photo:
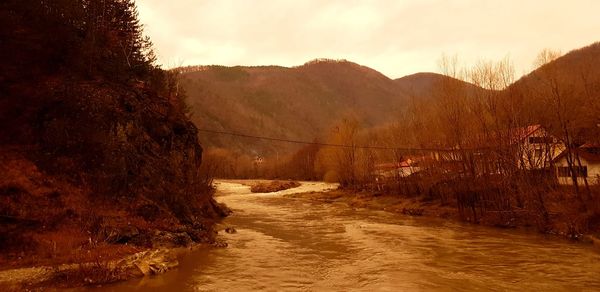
323,144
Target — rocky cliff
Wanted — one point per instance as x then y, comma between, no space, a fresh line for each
97,157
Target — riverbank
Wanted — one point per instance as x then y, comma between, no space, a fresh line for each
140,264
559,224
390,203
106,263
284,244
55,232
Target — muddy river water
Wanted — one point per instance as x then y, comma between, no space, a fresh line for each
287,244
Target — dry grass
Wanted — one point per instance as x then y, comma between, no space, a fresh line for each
95,273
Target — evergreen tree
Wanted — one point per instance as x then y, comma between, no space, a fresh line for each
100,38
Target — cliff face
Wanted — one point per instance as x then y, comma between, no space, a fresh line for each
128,142
97,164
97,157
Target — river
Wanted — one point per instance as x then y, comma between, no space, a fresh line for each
290,244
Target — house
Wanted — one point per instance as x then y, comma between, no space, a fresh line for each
530,148
447,155
537,148
404,168
589,156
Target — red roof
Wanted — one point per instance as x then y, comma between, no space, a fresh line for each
524,132
589,145
393,165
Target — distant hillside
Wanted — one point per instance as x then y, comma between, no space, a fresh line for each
418,83
570,66
300,102
575,79
424,84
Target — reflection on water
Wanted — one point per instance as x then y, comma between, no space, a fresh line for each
289,244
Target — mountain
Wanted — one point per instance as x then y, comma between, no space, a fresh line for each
570,67
570,86
292,103
419,84
425,84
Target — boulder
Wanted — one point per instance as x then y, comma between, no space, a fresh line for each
149,262
170,239
122,235
199,235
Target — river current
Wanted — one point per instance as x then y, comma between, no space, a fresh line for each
288,244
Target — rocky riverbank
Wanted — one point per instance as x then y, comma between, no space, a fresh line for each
140,264
56,231
160,255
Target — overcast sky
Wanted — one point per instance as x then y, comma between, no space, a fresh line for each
396,38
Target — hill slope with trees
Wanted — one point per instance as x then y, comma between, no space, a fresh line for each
300,102
96,152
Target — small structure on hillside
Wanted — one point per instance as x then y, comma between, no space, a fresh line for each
528,148
404,168
589,157
537,147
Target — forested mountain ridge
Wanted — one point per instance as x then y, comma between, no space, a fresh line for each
303,102
426,84
297,103
569,88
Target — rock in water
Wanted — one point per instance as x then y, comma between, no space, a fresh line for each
150,262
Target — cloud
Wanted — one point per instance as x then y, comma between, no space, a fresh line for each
394,37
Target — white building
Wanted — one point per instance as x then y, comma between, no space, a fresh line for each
393,170
536,146
590,166
532,147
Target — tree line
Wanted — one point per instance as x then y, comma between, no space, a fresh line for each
93,38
